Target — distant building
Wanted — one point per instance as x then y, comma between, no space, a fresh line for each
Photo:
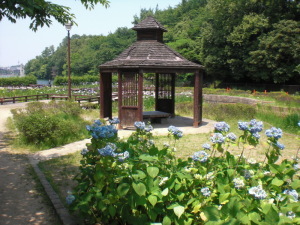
12,71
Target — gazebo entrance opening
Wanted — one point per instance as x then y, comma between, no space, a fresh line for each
130,87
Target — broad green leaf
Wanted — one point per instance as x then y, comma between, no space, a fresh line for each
255,217
123,189
152,171
165,192
166,221
277,182
272,216
241,216
211,213
295,184
203,217
180,196
173,206
148,158
139,175
139,188
178,210
196,209
152,199
223,199
112,211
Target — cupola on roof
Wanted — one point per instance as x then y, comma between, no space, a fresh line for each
149,23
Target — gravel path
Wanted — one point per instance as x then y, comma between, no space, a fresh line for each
20,194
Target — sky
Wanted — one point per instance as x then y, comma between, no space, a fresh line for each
19,44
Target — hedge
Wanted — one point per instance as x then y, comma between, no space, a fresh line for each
18,81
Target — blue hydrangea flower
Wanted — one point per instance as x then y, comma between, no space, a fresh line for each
114,120
148,128
256,135
175,131
257,192
205,191
255,126
206,146
98,122
243,125
84,151
248,174
217,138
296,166
70,199
231,136
292,193
200,156
98,130
222,126
299,123
238,183
108,150
122,156
279,145
139,125
274,133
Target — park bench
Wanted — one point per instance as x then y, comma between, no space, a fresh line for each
87,98
62,97
155,116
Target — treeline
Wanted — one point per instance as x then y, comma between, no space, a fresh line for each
236,41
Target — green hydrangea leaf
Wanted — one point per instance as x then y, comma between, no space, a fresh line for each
123,189
178,210
139,188
152,171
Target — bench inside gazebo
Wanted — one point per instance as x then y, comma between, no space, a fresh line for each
148,55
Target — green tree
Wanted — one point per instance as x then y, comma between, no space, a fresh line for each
277,57
41,12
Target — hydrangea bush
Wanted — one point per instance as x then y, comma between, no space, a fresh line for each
134,182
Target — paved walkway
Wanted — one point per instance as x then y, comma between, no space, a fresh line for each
16,205
21,201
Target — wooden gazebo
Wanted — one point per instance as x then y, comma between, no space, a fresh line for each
147,55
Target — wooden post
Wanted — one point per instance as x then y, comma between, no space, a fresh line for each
173,93
197,99
140,97
156,90
105,95
120,99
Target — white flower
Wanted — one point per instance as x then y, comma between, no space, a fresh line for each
163,181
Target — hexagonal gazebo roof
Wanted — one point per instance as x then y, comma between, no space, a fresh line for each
147,55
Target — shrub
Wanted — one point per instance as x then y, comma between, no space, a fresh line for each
49,125
18,81
134,182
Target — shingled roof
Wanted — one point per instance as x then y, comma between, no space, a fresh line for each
150,54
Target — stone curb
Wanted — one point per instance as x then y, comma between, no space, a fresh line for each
61,211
